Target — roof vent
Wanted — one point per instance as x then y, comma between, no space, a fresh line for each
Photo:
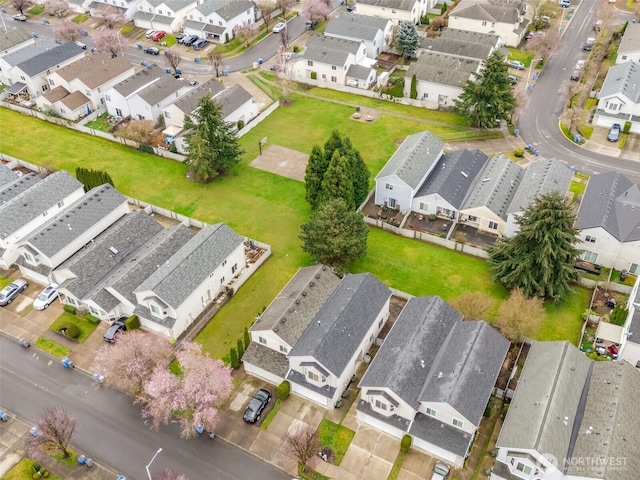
113,250
297,302
304,294
312,284
283,320
439,374
317,275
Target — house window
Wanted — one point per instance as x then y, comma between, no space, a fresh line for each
167,114
457,423
87,92
388,186
333,67
484,24
222,280
262,340
118,112
284,349
62,110
71,301
380,405
634,268
155,309
334,79
45,213
393,10
493,225
61,204
219,23
472,218
324,76
234,268
426,95
310,63
94,311
51,82
590,256
521,467
590,239
224,262
45,87
424,206
22,78
313,376
431,411
624,57
159,12
108,98
28,257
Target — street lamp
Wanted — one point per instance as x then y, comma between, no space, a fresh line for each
154,457
528,89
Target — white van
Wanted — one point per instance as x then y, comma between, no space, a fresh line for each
565,3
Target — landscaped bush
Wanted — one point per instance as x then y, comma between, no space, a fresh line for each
70,330
627,127
69,309
488,411
146,148
432,217
92,319
283,390
233,358
314,75
619,315
405,444
132,322
519,152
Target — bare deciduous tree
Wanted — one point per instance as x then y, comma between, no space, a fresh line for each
58,8
168,474
21,5
474,305
546,46
245,31
173,59
284,75
267,7
522,102
66,30
55,428
285,37
113,18
538,9
302,442
520,316
217,61
285,6
141,131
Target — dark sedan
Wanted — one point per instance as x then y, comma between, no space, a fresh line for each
152,51
256,406
111,335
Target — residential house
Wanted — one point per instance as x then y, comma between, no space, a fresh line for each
329,59
98,8
491,16
28,202
167,15
79,6
459,43
317,331
398,11
408,168
609,222
47,246
619,100
630,349
571,418
13,39
629,48
87,79
375,32
33,72
21,53
216,20
440,78
432,378
7,177
490,39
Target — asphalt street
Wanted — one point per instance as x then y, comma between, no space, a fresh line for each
539,124
110,429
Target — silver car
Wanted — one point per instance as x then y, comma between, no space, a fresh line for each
11,291
440,471
46,297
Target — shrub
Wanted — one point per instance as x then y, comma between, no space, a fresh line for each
488,411
444,8
132,322
627,127
233,357
519,152
72,331
45,474
146,148
432,217
314,75
240,345
296,49
173,148
405,444
69,309
92,319
283,390
247,338
240,124
36,475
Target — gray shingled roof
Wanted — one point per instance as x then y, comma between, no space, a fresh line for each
235,8
177,278
267,359
540,178
75,220
15,187
95,262
414,158
405,5
160,89
443,69
489,39
30,51
612,202
139,80
12,37
623,79
188,102
547,399
459,48
487,10
6,176
232,98
454,176
50,58
329,50
96,69
343,321
445,436
496,186
630,42
174,5
359,27
359,71
31,203
290,313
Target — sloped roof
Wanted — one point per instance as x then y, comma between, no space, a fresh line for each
329,50
459,48
232,98
74,100
139,80
487,10
235,8
454,176
342,322
496,186
50,58
406,5
12,37
160,89
353,25
414,158
624,79
443,69
96,69
179,276
56,94
30,51
630,42
31,203
188,102
359,71
540,178
6,176
11,185
611,201
489,39
172,4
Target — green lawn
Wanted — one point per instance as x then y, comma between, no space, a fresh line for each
24,470
37,10
80,18
4,281
336,437
563,320
521,56
84,325
99,123
52,347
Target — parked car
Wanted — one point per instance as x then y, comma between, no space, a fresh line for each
512,79
256,406
12,290
440,471
351,7
565,3
200,44
20,17
190,40
152,51
158,35
46,297
614,133
516,64
180,37
114,330
81,45
588,45
580,64
575,75
279,27
149,33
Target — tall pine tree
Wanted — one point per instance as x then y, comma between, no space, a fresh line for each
314,174
407,40
359,172
338,181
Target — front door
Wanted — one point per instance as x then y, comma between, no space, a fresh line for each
392,203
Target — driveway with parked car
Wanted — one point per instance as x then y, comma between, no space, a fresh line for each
11,291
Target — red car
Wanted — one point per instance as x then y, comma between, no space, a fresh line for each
158,35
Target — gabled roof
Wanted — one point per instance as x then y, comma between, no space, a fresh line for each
541,178
188,102
226,9
232,98
139,80
458,48
352,25
496,186
179,276
6,176
31,203
489,39
630,42
29,51
96,69
415,157
611,201
340,326
74,100
50,58
329,50
443,69
174,5
56,94
160,89
548,398
14,185
359,71
75,220
454,175
487,10
12,37
406,5
624,79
